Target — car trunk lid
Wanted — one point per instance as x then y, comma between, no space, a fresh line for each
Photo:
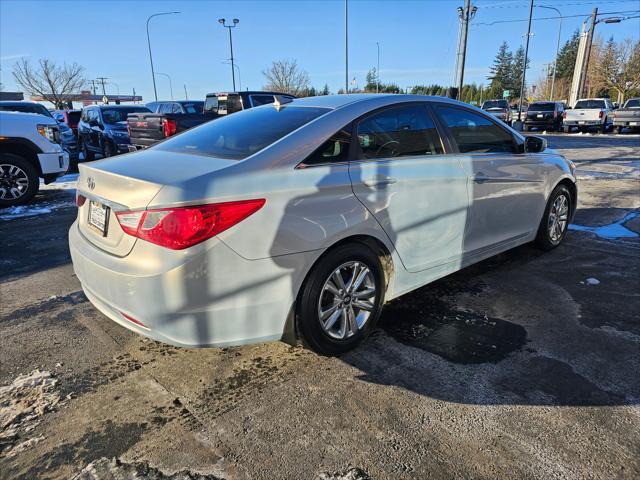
130,182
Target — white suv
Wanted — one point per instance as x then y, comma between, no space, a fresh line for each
29,148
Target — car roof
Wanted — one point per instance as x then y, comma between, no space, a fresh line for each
13,103
338,101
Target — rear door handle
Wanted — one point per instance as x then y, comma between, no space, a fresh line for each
379,181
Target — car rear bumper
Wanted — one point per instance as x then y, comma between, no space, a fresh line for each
583,123
206,296
627,123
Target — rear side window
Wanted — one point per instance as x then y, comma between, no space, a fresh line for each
257,100
238,136
334,150
398,132
193,107
211,104
633,103
473,133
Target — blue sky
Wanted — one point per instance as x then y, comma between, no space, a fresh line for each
417,39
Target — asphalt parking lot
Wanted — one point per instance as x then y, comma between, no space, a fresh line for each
523,366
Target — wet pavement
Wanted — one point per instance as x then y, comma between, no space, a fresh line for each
522,366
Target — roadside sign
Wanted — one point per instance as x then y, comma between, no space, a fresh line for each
505,93
530,99
105,100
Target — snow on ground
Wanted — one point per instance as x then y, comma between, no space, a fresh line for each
23,404
114,469
59,194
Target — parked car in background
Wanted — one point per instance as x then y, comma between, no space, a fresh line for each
225,103
318,210
628,116
68,117
67,138
29,148
588,113
499,109
166,119
544,115
103,129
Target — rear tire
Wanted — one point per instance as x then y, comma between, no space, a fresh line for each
18,180
341,299
108,150
617,130
555,221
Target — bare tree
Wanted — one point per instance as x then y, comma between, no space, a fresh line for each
48,80
617,67
285,76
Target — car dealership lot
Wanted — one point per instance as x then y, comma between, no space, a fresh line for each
522,366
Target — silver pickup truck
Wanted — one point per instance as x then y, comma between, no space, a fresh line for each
588,113
628,116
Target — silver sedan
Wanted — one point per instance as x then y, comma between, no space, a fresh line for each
302,218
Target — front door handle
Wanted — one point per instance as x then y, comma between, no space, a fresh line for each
379,181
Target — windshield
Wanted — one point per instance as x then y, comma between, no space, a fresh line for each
211,104
589,104
115,115
27,108
633,103
495,104
193,107
238,136
542,107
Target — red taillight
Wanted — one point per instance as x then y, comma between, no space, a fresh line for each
601,114
80,199
564,114
555,114
505,115
129,130
182,227
169,127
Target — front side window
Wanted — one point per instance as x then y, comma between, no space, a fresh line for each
398,132
474,133
115,115
193,107
240,135
334,150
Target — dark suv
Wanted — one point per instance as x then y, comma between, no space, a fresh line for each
103,129
544,115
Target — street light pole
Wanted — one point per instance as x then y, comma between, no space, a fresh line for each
221,21
526,57
378,70
153,77
346,46
235,65
170,82
186,95
555,63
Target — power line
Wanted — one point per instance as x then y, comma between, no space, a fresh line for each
553,18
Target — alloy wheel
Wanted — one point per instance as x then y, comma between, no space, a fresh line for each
558,218
14,182
347,300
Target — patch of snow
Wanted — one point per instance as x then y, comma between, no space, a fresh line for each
592,281
115,469
66,182
23,404
612,231
22,211
350,474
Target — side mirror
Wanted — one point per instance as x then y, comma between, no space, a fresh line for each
535,144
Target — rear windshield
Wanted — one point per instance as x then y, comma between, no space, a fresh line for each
590,104
211,104
115,115
633,103
238,136
495,104
542,107
193,107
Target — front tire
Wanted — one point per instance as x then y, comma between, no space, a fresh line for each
341,299
18,180
555,221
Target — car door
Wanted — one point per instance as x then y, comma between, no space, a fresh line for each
506,187
416,191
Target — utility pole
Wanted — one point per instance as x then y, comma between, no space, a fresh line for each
346,46
455,70
102,79
585,66
378,70
526,58
468,13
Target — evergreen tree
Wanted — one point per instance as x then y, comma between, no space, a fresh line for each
502,71
517,70
325,90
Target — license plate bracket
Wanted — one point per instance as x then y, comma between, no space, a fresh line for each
98,218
